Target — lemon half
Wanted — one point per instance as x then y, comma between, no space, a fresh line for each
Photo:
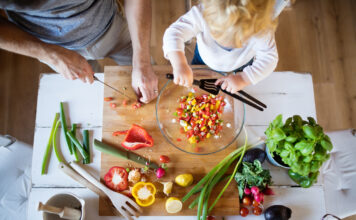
173,205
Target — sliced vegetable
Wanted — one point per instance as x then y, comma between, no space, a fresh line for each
124,154
78,145
86,146
113,105
184,180
136,138
72,145
167,187
116,179
134,176
49,146
56,150
108,99
173,205
144,193
64,127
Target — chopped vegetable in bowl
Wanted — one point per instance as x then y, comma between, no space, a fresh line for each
200,116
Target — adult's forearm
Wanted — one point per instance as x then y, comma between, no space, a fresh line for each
139,19
15,40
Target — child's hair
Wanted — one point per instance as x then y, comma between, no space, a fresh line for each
235,21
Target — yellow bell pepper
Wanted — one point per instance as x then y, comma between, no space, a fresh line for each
144,193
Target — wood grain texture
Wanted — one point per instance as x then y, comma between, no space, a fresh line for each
122,117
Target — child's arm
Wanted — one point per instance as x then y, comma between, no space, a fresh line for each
183,74
264,64
184,29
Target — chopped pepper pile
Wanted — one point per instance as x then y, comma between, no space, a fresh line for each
200,116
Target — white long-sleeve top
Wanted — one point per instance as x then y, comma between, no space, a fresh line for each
192,24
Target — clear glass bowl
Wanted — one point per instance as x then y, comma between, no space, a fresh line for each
168,101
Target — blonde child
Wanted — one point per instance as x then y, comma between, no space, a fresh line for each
232,36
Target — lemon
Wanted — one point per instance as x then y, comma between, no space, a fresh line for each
184,180
173,205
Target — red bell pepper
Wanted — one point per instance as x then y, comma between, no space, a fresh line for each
136,138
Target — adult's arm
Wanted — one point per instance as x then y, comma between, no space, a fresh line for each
66,62
139,19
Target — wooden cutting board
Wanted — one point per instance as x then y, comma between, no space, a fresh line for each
122,117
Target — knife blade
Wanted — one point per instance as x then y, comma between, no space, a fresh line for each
124,154
98,80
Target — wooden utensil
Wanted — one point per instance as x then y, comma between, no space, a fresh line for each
209,86
122,203
65,213
81,180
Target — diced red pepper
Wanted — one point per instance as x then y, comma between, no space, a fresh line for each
124,103
113,105
117,133
108,99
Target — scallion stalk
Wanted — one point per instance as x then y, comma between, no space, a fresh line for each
86,146
78,145
49,146
55,142
64,127
72,145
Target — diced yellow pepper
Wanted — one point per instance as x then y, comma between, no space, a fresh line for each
210,123
208,135
194,102
203,128
192,140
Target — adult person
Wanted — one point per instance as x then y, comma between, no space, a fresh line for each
65,34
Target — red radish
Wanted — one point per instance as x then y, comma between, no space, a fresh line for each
160,173
247,191
258,197
255,190
116,179
268,191
108,99
164,159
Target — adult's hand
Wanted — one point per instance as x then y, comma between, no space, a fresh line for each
70,64
144,83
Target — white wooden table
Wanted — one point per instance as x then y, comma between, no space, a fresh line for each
284,92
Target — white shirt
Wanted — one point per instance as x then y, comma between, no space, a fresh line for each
192,24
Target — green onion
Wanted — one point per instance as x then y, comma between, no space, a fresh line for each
72,146
86,146
55,142
78,145
64,127
49,146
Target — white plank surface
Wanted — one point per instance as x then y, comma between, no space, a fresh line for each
305,205
83,102
55,177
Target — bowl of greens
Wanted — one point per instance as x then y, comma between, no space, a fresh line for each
300,145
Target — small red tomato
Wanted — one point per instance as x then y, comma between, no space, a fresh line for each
246,201
112,105
255,203
108,99
124,103
257,210
243,211
164,159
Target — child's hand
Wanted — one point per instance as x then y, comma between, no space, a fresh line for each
232,83
183,74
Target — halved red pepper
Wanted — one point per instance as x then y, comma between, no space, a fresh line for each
136,138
